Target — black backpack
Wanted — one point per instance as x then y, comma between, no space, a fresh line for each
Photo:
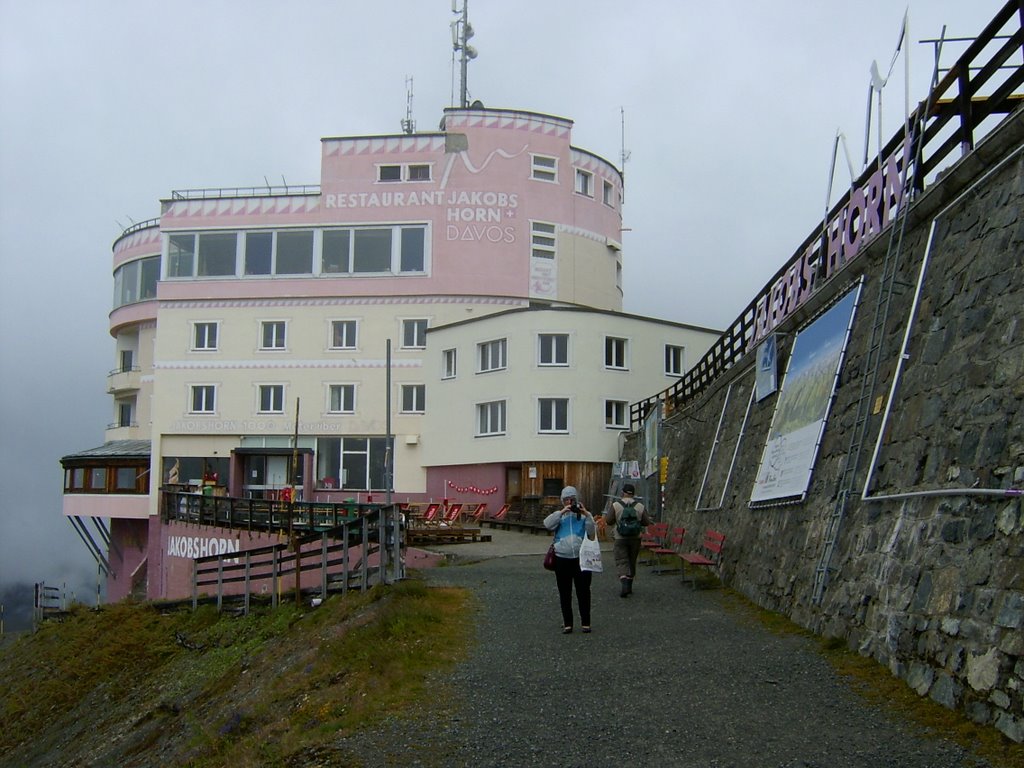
628,522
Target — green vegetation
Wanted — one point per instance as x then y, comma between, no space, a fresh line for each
875,683
133,684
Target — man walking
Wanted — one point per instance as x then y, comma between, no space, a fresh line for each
629,518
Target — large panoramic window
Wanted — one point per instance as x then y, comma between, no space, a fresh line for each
217,251
374,250
181,255
136,281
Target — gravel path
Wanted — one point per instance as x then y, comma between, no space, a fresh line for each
669,677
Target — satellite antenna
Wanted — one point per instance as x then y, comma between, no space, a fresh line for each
408,124
462,31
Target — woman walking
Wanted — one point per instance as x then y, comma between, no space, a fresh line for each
571,523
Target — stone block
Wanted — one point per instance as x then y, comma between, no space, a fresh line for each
945,691
920,678
983,669
1011,611
950,625
979,712
1000,699
1012,727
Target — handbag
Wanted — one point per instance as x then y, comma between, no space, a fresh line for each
590,555
549,558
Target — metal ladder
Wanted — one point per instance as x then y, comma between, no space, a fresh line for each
886,288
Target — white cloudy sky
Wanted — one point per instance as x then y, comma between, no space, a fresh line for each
731,111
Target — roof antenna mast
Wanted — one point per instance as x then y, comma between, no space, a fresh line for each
462,31
408,124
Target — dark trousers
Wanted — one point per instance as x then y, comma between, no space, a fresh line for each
626,552
568,574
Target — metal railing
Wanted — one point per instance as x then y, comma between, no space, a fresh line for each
982,83
213,193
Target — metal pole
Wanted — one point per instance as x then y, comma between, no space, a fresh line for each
389,457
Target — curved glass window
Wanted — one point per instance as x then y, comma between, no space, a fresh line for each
136,281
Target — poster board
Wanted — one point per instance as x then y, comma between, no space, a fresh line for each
803,404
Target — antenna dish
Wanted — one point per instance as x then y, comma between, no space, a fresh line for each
477,105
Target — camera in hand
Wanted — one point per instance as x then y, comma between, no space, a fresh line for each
574,506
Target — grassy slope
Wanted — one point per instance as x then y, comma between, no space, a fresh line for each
133,685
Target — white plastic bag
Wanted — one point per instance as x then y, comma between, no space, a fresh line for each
590,555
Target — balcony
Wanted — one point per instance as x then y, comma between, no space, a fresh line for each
123,381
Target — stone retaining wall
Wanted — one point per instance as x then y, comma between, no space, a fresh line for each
930,583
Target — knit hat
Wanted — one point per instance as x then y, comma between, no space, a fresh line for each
568,491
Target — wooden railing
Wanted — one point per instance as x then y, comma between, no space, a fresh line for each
358,552
983,82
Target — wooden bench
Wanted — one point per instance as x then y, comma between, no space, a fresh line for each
709,555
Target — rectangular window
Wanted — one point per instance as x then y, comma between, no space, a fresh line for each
554,415
544,168
272,334
98,478
673,360
204,336
414,398
217,254
343,334
615,353
616,414
203,398
449,364
414,334
127,360
259,248
125,478
352,463
412,256
492,355
372,250
271,398
584,182
389,173
342,398
608,195
553,349
419,173
335,254
542,240
490,418
181,254
294,253
124,414
149,276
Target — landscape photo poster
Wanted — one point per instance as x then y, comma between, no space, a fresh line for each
765,377
803,404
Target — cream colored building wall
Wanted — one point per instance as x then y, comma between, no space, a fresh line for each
450,424
306,368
